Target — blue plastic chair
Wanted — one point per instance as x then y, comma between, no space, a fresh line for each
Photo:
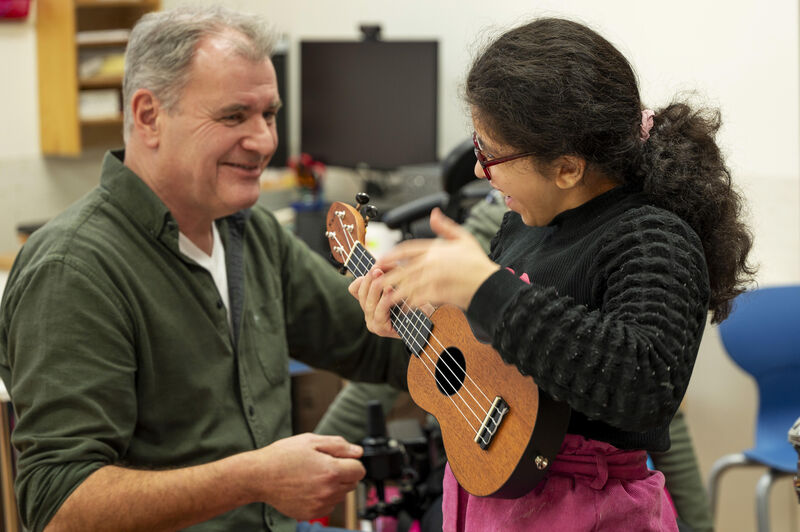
762,336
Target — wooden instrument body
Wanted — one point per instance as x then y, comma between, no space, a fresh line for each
533,427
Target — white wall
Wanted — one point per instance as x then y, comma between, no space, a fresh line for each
19,119
742,56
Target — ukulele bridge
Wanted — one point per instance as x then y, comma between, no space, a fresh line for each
491,423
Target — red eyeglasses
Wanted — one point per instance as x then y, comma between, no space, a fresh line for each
486,163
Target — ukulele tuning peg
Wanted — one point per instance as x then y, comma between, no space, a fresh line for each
362,198
335,262
370,212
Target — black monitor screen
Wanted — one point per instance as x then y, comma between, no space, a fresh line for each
369,102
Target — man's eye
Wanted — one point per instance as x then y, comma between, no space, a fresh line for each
269,116
236,117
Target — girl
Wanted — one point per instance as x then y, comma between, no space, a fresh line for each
624,234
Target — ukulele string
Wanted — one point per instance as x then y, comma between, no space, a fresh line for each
427,330
402,328
396,316
443,359
351,243
364,265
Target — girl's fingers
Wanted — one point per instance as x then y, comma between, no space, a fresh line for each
403,252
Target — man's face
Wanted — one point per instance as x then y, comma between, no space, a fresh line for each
214,145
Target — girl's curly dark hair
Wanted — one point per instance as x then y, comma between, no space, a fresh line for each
555,87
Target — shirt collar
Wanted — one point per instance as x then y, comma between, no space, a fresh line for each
133,196
622,196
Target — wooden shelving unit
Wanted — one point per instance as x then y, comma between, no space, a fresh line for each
58,23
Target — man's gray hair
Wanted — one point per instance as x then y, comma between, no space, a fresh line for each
162,44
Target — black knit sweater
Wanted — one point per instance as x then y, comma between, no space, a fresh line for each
612,318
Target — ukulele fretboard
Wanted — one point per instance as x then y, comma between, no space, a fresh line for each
414,326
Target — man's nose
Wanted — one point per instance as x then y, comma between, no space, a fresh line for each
263,138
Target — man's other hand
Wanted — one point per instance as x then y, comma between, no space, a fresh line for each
305,476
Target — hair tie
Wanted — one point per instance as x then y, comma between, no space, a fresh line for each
647,124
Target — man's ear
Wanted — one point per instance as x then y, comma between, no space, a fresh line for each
569,171
145,109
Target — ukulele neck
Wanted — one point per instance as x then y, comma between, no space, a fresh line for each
413,326
360,260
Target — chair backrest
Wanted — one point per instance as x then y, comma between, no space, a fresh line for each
463,188
762,336
458,167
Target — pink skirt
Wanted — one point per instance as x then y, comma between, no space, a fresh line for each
591,486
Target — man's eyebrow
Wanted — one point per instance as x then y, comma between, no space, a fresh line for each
244,108
234,108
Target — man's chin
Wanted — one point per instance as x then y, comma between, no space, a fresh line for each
241,201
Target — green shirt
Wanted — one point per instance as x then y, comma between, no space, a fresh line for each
116,348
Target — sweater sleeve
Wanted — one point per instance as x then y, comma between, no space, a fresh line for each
626,362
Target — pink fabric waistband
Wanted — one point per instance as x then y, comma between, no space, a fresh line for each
598,460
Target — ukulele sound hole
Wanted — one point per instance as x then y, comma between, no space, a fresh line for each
450,371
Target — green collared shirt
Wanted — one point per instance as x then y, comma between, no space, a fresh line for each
116,348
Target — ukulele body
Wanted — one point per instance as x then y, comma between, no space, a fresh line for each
529,434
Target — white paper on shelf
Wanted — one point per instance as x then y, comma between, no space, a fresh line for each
102,103
101,36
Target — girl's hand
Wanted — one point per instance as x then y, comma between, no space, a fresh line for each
448,269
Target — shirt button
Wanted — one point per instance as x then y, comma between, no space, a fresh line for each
251,410
220,304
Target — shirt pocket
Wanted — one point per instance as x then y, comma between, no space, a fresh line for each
266,340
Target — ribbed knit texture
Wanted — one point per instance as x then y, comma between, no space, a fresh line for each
613,317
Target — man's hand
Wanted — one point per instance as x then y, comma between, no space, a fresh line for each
303,476
306,475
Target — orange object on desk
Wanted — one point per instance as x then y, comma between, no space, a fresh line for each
7,259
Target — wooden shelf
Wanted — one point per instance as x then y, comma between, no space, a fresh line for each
117,3
118,43
110,121
100,82
58,22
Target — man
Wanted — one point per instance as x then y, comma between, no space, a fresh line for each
145,332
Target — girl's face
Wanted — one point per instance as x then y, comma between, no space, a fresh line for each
527,191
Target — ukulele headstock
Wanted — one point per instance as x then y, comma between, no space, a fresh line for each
345,225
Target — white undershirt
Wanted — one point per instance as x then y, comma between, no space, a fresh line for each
215,263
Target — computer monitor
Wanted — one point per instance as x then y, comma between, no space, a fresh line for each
369,102
281,156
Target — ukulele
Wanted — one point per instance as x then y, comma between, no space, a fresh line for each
499,431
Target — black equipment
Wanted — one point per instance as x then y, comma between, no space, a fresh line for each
413,460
